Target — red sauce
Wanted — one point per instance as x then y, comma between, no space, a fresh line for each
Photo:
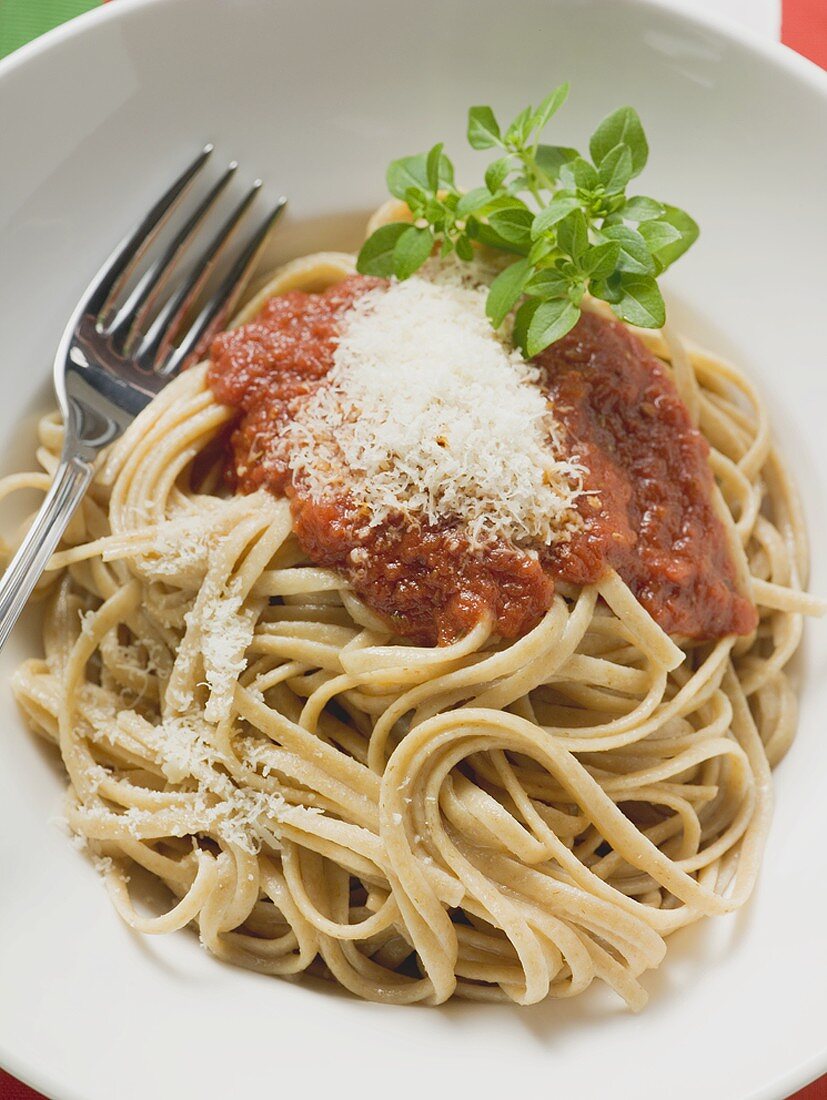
263,367
650,517
423,579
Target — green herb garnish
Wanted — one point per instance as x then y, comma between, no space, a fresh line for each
567,217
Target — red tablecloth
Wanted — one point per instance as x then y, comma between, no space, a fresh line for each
804,28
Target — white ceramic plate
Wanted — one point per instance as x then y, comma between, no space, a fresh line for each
317,96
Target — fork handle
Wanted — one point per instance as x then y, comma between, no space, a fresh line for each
65,494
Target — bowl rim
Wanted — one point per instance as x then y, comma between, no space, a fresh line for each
726,26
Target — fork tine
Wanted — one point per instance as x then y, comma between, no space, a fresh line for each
156,343
111,276
131,313
219,307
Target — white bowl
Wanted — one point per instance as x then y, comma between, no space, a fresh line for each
316,97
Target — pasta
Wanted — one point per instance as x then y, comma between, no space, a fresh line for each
317,795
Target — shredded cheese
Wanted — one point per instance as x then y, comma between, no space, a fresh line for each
428,411
186,749
226,633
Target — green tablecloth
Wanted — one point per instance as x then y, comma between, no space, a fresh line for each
23,20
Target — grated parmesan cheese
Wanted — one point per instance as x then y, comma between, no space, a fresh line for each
180,549
226,633
183,749
213,801
428,410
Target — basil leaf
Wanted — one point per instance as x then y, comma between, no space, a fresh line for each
435,213
483,129
600,260
446,171
513,224
551,158
411,251
562,204
472,201
517,133
634,255
622,126
608,290
573,234
541,248
413,175
486,234
407,172
615,170
417,200
504,201
658,234
505,290
641,303
496,172
583,174
639,208
432,167
464,249
522,321
376,255
550,106
551,321
548,283
688,229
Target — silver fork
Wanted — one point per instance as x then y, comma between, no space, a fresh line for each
114,358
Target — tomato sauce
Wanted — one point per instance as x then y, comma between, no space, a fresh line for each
648,509
424,579
647,512
263,368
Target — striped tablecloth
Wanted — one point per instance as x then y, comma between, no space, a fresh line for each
801,24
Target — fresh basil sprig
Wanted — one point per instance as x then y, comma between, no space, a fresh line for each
567,217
